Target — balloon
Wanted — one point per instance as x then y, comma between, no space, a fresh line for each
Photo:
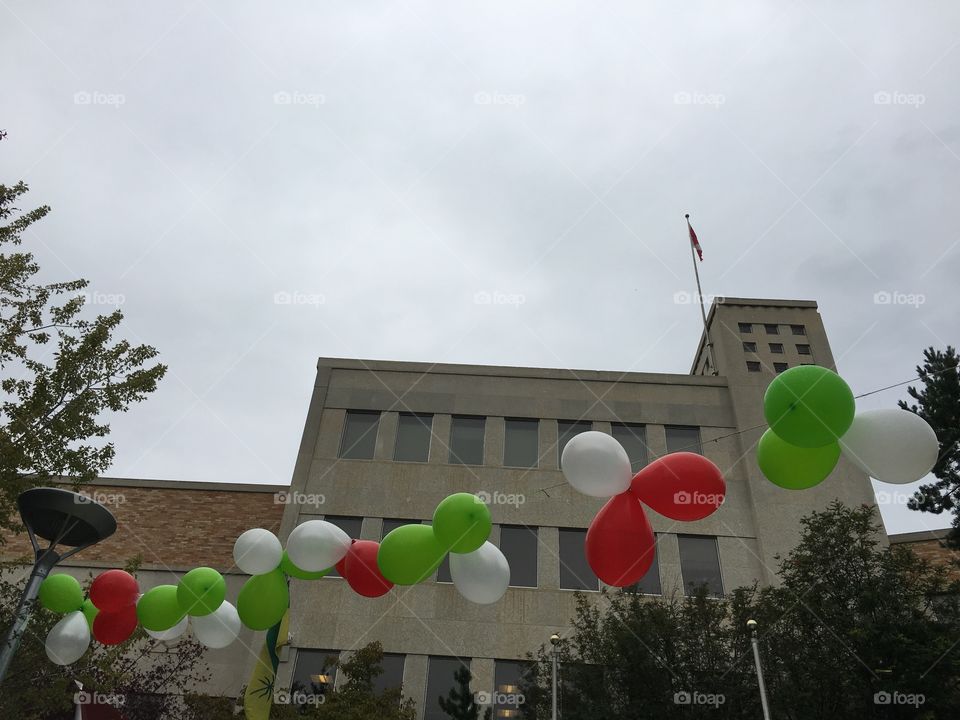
69,639
620,546
201,591
359,568
680,486
219,628
891,445
257,551
792,467
159,609
809,406
114,590
286,564
596,464
263,600
61,593
409,554
317,545
481,576
462,523
113,628
173,633
89,611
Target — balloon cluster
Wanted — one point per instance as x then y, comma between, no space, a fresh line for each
620,545
812,416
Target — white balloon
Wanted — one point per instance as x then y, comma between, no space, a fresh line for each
69,639
219,628
317,545
257,551
596,464
891,445
481,576
172,633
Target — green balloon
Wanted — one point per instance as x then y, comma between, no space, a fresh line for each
201,591
792,467
809,406
61,593
410,554
286,564
159,608
263,600
90,611
462,523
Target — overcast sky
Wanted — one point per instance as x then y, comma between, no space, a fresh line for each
380,164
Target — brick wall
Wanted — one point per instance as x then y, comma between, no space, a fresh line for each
931,547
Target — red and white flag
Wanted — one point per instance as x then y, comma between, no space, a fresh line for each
693,240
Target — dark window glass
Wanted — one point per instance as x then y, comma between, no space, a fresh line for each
649,584
440,680
392,675
798,330
745,327
518,543
443,572
575,572
779,367
749,347
634,441
753,366
700,563
508,675
803,349
521,443
566,429
772,329
391,524
350,525
466,440
359,438
413,437
776,348
683,438
315,671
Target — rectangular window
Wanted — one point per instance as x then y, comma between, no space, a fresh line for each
391,524
753,366
443,572
315,671
776,348
350,525
392,675
521,442
749,347
359,438
575,572
649,584
508,676
440,681
745,327
466,439
413,437
779,367
772,328
700,563
518,543
683,438
803,349
566,429
798,330
634,441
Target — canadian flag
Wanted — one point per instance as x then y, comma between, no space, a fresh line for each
693,240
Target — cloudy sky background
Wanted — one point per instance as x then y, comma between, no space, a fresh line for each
380,164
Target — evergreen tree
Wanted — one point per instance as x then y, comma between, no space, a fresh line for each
460,703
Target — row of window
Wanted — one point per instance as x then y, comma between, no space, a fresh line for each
699,558
521,442
775,348
778,367
772,328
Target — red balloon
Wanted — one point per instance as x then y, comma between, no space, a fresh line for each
114,590
681,486
112,628
620,545
361,571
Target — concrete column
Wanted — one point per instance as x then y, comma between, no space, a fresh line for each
386,436
668,553
656,441
440,439
602,426
495,429
548,445
371,529
482,672
331,430
415,680
548,558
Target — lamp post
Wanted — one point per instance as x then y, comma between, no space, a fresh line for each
752,625
554,641
60,517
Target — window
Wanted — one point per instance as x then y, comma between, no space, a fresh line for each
753,366
521,442
776,348
507,678
682,437
391,524
466,440
803,349
575,572
518,543
649,584
745,327
700,563
359,438
315,671
440,681
634,441
392,675
350,525
749,347
772,329
798,330
779,367
413,437
566,429
443,571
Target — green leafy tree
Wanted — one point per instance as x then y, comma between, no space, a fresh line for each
938,402
460,703
60,371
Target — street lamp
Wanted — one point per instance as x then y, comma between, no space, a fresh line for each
554,641
63,518
752,626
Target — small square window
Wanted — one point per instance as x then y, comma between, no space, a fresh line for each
779,367
803,349
798,330
749,347
772,329
776,348
753,366
745,327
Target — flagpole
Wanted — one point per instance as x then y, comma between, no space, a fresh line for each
703,312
